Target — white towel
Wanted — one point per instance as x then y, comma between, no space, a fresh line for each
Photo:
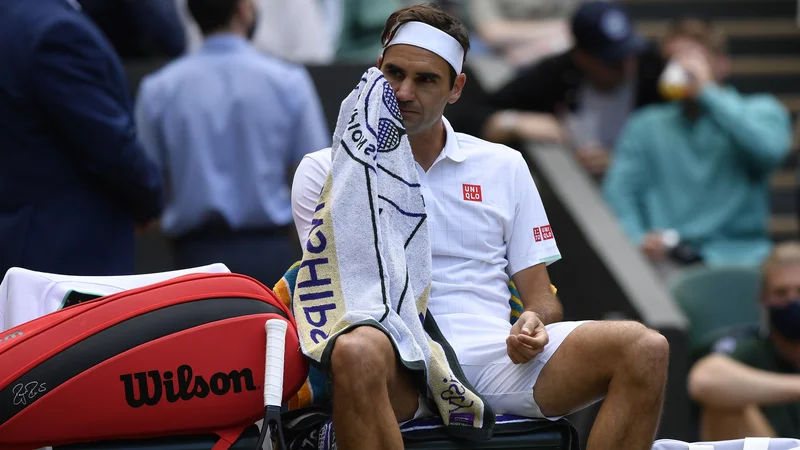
367,259
26,294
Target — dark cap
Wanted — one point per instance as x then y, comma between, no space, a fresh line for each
603,29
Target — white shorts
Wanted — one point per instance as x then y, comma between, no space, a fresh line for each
480,345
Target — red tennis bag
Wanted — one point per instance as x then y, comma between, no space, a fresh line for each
185,356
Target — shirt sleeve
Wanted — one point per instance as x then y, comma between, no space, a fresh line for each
309,179
759,125
529,238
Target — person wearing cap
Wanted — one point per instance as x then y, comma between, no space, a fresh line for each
700,165
488,226
581,97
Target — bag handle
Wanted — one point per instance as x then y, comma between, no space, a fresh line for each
273,381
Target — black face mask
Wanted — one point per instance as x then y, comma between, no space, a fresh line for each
786,320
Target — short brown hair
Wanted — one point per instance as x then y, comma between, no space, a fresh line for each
430,14
701,31
784,254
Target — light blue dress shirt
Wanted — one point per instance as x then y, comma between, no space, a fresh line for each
226,124
708,178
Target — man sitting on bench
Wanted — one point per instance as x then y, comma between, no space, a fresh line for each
486,223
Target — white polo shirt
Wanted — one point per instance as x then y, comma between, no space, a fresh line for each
486,222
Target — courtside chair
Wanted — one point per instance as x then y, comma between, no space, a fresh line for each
715,298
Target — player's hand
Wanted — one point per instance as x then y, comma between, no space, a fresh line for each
527,338
653,246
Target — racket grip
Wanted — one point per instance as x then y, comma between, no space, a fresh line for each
273,370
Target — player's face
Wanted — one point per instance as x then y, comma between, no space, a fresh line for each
421,83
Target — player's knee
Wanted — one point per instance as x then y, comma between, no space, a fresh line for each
361,357
648,355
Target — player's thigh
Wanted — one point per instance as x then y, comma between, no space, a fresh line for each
579,371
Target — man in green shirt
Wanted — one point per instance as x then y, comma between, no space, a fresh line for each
749,386
696,171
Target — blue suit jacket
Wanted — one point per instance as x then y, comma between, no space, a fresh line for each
74,180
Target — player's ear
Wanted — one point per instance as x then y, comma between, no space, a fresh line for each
458,87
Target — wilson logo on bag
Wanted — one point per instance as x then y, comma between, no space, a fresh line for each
182,386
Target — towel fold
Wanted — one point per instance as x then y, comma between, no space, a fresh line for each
367,260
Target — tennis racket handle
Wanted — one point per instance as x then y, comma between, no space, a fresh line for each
273,371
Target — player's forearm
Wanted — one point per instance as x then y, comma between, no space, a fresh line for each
721,382
547,307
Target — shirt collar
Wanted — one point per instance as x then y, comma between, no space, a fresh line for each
452,149
225,42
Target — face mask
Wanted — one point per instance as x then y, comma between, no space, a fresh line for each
786,320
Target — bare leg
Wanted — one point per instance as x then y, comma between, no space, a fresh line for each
371,392
623,361
721,425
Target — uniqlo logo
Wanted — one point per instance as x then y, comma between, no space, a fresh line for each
537,234
472,192
547,232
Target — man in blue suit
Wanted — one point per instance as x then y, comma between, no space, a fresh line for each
74,181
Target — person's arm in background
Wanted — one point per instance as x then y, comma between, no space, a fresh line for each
147,125
520,40
159,24
524,109
625,183
760,125
719,381
89,108
310,130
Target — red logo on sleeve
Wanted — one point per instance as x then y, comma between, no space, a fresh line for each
547,232
472,192
537,234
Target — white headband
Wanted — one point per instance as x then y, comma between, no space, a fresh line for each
432,39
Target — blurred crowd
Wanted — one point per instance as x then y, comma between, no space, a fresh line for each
681,157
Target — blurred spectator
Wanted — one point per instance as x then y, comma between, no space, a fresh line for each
750,384
699,167
590,89
363,21
140,28
227,126
523,31
299,31
74,181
